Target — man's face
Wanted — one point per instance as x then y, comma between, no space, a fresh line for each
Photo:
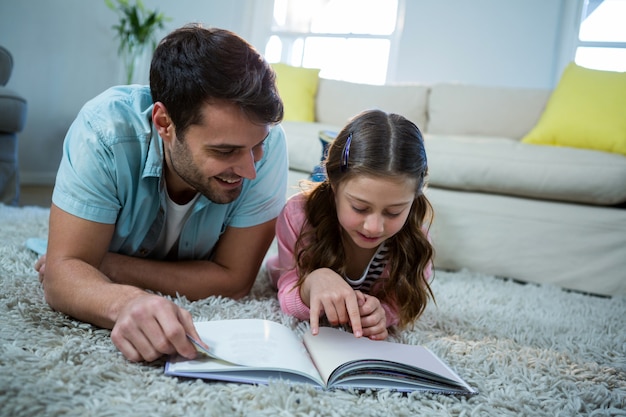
214,156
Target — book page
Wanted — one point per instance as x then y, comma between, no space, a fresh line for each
252,344
333,347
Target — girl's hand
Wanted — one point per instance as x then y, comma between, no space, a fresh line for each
325,292
373,316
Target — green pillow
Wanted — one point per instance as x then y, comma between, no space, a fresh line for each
297,87
587,109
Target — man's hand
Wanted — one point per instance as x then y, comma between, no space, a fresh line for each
325,292
373,316
148,327
151,326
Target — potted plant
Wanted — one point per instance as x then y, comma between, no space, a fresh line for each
136,31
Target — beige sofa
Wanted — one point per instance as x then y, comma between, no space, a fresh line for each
535,213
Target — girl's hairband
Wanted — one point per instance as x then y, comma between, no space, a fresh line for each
345,155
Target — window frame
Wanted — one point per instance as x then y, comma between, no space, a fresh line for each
582,9
288,39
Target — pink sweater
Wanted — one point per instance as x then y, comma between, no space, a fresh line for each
282,268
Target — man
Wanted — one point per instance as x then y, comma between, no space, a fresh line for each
172,189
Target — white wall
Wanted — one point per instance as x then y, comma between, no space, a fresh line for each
490,42
65,52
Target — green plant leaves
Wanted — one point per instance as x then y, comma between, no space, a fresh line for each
137,26
136,30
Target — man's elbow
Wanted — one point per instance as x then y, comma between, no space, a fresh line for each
242,291
52,295
236,291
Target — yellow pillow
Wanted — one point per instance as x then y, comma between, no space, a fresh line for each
587,109
297,87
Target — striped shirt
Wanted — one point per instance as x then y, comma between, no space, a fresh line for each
372,273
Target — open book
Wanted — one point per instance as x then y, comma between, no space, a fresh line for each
255,351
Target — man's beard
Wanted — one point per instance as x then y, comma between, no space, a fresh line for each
213,191
182,165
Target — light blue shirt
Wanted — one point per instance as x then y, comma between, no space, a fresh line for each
112,172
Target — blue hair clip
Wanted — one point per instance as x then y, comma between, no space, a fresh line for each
345,155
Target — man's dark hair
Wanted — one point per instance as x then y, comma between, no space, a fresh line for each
193,65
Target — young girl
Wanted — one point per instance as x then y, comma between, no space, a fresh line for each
355,247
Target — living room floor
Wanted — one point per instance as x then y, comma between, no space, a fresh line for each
36,195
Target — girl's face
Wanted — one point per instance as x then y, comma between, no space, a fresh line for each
371,210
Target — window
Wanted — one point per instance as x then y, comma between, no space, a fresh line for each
602,35
349,40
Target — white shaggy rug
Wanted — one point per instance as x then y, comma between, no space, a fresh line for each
529,350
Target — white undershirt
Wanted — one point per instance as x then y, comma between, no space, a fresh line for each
175,216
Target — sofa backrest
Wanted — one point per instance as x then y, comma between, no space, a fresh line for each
338,101
458,109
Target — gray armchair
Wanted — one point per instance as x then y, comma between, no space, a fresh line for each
12,118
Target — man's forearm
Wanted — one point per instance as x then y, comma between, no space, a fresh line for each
192,279
81,291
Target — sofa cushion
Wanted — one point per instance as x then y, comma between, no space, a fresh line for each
303,145
587,110
458,109
339,101
506,166
297,87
